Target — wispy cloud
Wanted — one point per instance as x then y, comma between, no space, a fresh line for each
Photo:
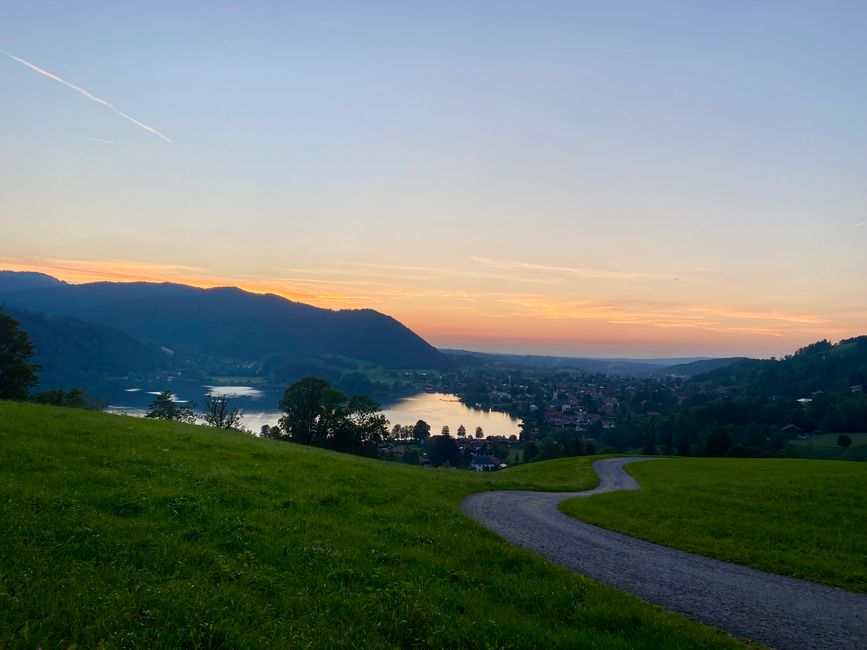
578,272
85,93
859,224
98,140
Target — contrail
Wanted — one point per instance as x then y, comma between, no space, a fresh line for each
90,96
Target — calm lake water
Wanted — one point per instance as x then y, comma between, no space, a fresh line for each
260,407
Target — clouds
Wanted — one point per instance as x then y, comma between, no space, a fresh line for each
84,93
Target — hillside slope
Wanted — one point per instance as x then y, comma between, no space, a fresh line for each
71,352
227,322
131,532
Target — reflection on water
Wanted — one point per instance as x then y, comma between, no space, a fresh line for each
437,409
441,409
234,391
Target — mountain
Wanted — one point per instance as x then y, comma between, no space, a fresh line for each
229,323
18,280
74,353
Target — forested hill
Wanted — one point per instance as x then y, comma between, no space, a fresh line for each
18,280
227,322
821,366
71,352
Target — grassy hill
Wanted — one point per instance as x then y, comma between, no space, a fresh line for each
121,532
804,518
825,447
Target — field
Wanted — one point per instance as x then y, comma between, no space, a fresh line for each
804,518
119,532
825,447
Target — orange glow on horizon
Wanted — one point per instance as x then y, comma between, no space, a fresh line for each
517,321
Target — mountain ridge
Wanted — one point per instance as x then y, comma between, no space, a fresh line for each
229,322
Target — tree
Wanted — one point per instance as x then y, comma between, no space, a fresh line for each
317,414
550,449
717,442
270,432
76,398
396,431
462,431
480,433
362,429
844,441
164,407
445,450
219,413
530,452
421,430
445,430
311,408
17,374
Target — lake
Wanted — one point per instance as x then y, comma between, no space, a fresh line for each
260,407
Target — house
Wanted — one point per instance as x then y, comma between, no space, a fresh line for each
793,430
486,464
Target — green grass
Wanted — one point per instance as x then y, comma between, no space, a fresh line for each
804,518
120,532
825,447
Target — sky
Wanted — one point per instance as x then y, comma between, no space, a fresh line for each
635,179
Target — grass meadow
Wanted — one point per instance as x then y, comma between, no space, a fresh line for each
803,518
825,447
127,533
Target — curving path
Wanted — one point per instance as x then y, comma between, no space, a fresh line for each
778,611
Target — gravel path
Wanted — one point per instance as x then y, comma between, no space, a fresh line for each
775,610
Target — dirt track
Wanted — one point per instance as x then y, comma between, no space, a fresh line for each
778,611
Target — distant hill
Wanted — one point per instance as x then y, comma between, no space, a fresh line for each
821,366
74,353
615,366
228,322
18,280
698,367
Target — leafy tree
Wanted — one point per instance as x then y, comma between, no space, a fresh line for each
421,430
412,457
73,398
445,450
649,449
316,414
17,374
844,441
530,452
462,431
480,433
220,414
717,442
270,432
362,429
550,449
164,407
445,430
312,408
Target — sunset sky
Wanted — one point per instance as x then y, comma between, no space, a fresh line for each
591,178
